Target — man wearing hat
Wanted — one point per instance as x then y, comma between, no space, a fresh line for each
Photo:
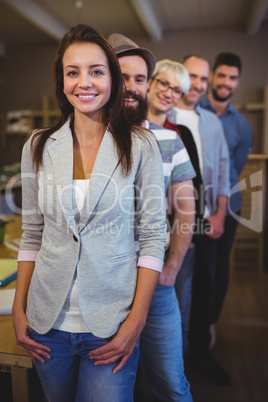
161,338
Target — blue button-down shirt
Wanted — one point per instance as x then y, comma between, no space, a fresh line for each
214,153
238,135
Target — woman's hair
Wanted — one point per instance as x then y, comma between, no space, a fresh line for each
115,116
181,74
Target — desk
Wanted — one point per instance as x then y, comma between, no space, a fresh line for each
14,358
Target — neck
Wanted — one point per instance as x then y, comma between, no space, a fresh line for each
182,105
156,118
88,130
220,107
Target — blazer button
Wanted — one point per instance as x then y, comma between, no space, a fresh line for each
75,238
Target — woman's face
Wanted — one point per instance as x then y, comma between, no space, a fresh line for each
86,78
164,92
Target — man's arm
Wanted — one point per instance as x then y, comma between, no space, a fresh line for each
243,148
217,220
183,208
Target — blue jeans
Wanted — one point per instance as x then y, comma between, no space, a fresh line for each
161,347
183,287
70,375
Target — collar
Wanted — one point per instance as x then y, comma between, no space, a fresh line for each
63,130
205,103
169,125
198,109
230,108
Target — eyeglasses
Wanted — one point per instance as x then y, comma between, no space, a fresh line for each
163,85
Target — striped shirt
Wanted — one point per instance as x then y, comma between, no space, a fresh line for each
176,161
177,165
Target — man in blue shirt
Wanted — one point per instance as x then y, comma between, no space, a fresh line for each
213,157
224,79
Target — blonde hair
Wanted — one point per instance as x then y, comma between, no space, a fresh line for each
181,74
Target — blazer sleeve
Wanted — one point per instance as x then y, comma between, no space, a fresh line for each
150,206
32,218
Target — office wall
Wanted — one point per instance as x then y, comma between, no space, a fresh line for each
25,76
25,72
209,42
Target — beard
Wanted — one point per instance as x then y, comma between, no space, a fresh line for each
136,114
219,98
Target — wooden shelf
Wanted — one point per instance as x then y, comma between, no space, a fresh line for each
44,114
259,107
248,248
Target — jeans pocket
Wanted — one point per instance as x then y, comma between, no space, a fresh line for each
33,334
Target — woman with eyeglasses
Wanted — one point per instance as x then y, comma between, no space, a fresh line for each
169,82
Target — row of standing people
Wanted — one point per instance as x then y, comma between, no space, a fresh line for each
217,139
80,307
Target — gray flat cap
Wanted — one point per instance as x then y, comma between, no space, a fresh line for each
121,45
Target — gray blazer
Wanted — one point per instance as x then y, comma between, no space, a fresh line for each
101,244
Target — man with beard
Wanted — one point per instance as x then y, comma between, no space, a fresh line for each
224,79
213,158
161,338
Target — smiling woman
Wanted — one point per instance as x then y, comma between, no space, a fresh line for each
81,299
169,82
87,79
87,86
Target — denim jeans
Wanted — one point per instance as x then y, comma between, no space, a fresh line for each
161,347
183,287
70,375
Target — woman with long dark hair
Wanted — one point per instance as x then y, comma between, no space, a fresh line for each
90,182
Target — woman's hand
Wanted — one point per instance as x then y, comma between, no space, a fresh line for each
120,347
36,350
124,341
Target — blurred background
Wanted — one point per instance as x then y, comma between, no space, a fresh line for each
30,31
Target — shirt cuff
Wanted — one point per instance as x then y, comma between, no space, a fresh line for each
151,262
27,255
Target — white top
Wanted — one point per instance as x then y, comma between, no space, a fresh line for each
190,119
70,318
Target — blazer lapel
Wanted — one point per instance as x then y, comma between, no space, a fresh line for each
105,164
61,154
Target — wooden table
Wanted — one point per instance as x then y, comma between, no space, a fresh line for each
13,358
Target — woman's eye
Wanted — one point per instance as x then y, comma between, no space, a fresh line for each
97,72
71,73
164,83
